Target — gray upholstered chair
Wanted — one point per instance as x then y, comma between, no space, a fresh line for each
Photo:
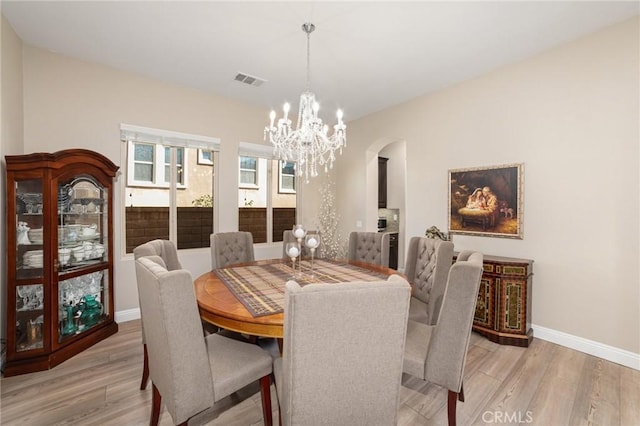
287,237
169,254
190,372
369,247
427,267
341,362
437,353
228,248
164,248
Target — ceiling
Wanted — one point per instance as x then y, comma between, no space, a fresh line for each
365,56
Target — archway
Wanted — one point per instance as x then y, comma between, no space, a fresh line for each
396,152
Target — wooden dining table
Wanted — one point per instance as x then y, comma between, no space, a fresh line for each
219,305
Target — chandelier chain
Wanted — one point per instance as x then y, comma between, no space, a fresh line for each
308,28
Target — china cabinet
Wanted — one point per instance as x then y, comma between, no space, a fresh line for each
60,257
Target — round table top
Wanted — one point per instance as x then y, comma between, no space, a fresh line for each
219,306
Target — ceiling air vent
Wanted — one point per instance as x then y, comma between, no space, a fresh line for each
249,79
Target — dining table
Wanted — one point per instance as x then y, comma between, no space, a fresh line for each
248,298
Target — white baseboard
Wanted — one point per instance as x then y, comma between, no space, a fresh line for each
610,353
128,315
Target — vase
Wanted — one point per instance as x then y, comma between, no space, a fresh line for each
69,326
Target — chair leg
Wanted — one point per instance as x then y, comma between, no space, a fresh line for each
265,392
145,369
453,397
278,397
451,407
155,406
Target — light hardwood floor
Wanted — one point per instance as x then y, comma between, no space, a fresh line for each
545,384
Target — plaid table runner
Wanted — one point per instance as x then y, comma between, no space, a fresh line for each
260,288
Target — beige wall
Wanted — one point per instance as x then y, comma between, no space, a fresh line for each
571,115
70,103
11,135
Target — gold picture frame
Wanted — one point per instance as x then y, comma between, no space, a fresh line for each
487,201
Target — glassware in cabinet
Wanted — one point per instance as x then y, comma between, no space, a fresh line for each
29,316
83,303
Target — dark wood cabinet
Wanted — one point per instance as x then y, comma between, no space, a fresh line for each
60,297
503,310
382,182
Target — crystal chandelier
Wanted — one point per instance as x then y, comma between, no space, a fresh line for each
309,145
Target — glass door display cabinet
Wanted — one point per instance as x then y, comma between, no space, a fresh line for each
60,257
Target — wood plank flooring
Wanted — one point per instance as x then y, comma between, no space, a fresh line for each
545,384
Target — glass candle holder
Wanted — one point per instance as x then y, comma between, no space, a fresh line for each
293,251
299,232
312,241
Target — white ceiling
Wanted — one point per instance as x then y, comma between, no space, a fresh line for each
365,56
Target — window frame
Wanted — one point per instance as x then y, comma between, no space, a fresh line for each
158,164
256,171
131,134
264,153
281,189
180,167
202,159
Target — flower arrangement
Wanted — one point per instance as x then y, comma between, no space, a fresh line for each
435,233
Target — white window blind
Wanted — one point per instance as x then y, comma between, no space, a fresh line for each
247,149
131,133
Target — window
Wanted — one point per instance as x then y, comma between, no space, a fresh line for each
287,177
149,165
265,209
248,171
179,165
205,157
160,202
143,162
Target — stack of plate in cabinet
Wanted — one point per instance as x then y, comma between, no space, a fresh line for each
33,259
35,236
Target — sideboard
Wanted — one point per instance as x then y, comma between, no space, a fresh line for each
503,309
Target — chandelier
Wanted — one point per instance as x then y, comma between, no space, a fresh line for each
309,145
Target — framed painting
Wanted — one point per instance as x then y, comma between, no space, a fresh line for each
487,201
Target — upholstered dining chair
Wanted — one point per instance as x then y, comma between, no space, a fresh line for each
228,248
437,353
427,268
287,237
342,353
167,251
370,247
190,372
